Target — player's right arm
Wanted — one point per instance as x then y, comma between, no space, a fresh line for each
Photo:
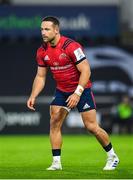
38,85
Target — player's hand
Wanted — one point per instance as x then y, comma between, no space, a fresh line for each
72,100
31,103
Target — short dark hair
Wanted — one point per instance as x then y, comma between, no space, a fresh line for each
53,19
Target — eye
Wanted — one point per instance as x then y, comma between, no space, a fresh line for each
47,29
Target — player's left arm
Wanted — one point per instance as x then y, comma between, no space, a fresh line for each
85,72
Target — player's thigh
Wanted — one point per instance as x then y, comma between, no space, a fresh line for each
58,113
89,118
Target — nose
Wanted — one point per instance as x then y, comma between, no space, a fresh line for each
43,32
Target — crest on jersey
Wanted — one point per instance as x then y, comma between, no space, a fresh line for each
46,58
62,55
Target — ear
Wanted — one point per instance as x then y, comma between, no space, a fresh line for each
57,29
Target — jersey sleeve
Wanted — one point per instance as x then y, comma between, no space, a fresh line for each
75,52
39,58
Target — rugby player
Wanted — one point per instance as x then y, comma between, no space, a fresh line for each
71,71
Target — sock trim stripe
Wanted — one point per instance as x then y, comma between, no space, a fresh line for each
108,147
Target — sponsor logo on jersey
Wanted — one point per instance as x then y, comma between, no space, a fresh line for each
60,67
79,54
56,63
46,58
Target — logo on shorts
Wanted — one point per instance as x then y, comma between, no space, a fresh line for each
86,106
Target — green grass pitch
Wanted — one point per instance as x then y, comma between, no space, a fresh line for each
27,157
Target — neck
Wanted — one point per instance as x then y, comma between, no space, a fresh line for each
55,40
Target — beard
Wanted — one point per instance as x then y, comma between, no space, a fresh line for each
47,39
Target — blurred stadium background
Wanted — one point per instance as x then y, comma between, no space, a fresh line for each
103,27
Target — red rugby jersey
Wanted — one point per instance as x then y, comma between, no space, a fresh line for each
62,60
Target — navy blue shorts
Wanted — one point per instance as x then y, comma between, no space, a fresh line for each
86,102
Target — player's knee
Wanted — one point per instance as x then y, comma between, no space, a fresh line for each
93,129
54,122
